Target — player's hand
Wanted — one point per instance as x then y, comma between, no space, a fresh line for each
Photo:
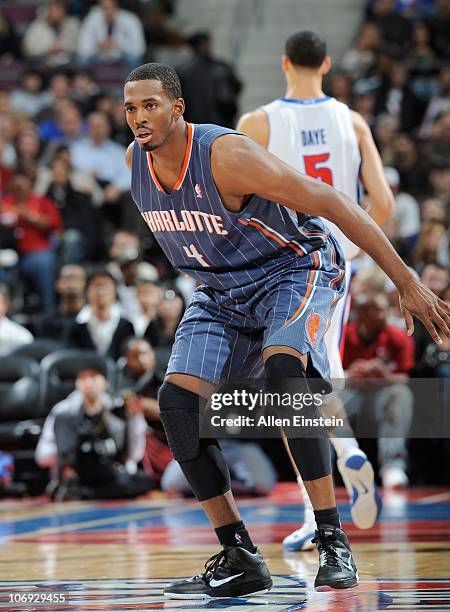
416,299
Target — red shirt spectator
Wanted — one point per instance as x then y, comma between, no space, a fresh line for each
374,349
34,217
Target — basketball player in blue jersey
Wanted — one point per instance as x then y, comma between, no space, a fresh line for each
321,137
247,227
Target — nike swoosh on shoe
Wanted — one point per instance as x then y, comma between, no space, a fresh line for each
216,583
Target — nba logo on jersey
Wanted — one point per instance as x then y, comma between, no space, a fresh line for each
198,191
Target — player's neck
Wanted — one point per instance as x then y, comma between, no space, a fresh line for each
171,153
304,87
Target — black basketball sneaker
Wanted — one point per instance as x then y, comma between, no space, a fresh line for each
337,568
233,572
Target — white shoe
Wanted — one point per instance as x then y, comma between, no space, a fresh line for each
300,539
357,474
393,477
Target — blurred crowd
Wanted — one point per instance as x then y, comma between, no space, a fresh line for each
79,266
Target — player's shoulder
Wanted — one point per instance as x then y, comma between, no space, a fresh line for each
359,124
256,125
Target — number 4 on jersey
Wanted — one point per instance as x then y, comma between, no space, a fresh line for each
312,168
192,251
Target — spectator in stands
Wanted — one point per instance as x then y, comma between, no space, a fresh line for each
28,147
428,244
386,132
376,351
148,324
85,91
438,104
126,266
397,98
395,30
81,227
70,289
437,149
52,38
103,157
30,97
9,40
439,26
436,277
433,209
37,221
99,325
59,90
421,57
12,335
90,444
440,182
111,33
81,181
341,88
138,383
170,311
70,128
361,58
407,211
412,166
8,155
210,86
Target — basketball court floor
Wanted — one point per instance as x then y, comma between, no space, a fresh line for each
119,555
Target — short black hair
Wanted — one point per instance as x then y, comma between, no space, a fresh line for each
158,72
100,273
306,48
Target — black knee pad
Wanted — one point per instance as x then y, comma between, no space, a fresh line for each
286,374
200,459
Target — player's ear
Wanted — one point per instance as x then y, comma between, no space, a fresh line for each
178,108
285,63
326,66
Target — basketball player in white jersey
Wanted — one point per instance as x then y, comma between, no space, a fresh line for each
323,138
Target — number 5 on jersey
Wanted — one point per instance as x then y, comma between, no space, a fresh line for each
192,251
312,167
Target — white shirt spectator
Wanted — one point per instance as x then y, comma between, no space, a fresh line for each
127,36
101,331
12,335
105,160
407,214
40,38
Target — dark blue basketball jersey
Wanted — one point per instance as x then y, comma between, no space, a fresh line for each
222,249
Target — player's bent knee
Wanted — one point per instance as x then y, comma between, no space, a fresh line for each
200,459
311,449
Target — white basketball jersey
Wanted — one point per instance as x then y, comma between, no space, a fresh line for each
317,137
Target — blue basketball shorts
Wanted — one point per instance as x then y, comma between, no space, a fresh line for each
220,339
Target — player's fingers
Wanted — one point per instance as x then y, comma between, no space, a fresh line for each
443,307
440,321
432,330
409,321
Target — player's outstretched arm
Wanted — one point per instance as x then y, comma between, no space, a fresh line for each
240,167
381,198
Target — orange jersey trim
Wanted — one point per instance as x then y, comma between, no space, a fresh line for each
308,290
272,236
184,167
